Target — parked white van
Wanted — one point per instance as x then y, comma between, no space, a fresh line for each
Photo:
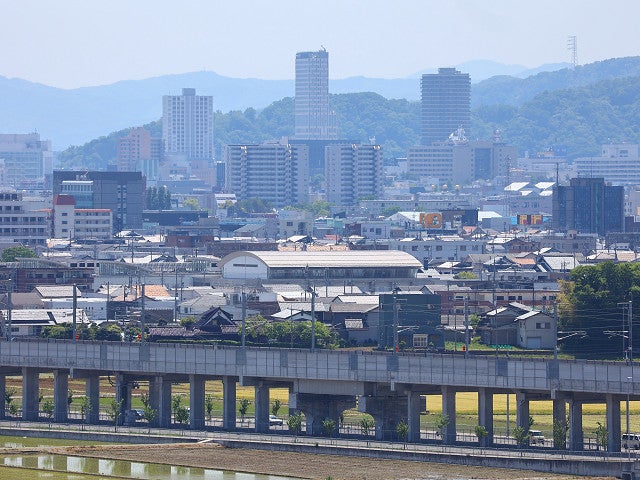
631,441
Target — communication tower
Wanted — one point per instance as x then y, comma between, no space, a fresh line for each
572,46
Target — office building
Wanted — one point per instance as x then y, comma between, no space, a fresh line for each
587,205
313,118
139,152
446,104
187,126
19,224
461,162
618,164
276,172
27,159
353,172
80,223
121,192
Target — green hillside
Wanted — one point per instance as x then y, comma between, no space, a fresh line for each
581,118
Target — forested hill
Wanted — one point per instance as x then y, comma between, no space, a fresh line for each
581,118
506,90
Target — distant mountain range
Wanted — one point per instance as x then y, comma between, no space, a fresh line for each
73,117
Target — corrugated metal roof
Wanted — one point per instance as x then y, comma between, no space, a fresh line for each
331,259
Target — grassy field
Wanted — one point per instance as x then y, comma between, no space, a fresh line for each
466,405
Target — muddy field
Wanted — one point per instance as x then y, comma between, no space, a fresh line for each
320,467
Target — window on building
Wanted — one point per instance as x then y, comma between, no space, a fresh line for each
420,340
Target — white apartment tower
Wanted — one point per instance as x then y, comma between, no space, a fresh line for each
27,159
313,119
353,172
187,125
277,173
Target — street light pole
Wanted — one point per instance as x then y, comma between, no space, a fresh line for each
313,319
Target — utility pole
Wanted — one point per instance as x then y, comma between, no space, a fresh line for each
466,326
555,330
313,319
75,307
175,293
630,347
9,308
396,307
142,315
244,318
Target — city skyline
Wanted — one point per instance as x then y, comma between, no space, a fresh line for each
91,44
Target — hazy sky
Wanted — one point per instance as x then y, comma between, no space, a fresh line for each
71,43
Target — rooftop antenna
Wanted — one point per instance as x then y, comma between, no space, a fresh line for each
572,46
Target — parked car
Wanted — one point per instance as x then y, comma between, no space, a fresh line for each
536,437
631,441
273,420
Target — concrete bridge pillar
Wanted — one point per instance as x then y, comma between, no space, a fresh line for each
229,403
449,409
3,391
485,414
560,418
261,408
196,402
92,391
387,411
123,394
415,405
317,408
576,437
30,387
160,400
60,396
522,410
614,440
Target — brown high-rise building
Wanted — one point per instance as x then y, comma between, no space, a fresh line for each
139,152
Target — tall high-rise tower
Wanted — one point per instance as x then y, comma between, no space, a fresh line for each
187,125
446,104
313,119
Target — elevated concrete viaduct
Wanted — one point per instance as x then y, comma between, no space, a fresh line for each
321,383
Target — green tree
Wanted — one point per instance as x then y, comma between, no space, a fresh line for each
85,407
402,430
294,422
111,333
465,275
366,425
181,415
482,433
602,436
560,429
114,410
244,406
191,204
11,254
208,405
328,426
48,407
152,198
70,394
590,303
442,421
187,322
275,406
164,198
149,414
176,402
521,436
